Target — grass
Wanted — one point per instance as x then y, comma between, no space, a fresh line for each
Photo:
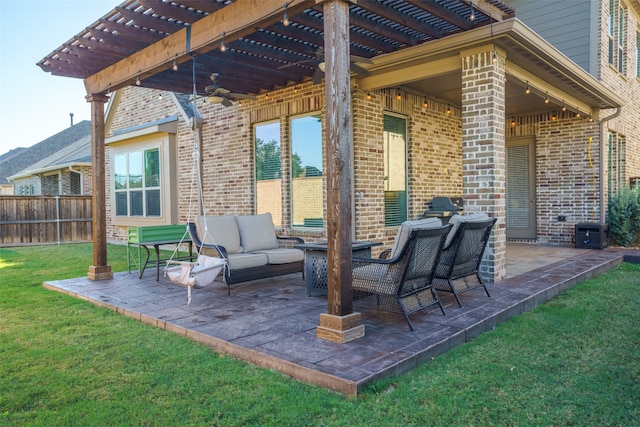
572,361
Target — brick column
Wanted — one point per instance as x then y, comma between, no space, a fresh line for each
483,149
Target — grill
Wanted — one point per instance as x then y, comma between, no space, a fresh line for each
444,208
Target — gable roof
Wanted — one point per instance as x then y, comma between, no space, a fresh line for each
77,153
47,148
9,154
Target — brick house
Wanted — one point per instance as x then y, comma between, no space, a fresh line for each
518,122
495,115
58,165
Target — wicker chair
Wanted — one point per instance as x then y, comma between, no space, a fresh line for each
458,269
402,283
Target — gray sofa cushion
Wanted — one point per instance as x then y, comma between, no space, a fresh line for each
246,260
257,232
282,255
221,230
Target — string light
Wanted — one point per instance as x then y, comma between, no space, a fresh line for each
448,109
425,104
138,80
546,98
578,113
223,47
494,58
160,96
564,108
285,19
553,116
398,96
513,121
527,90
175,63
472,17
368,96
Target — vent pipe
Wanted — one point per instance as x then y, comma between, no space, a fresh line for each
71,116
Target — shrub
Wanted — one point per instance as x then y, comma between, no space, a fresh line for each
624,217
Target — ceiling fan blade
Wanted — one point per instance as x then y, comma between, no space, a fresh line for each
241,96
317,76
226,102
216,90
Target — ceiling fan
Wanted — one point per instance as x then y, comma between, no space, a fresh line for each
319,59
219,95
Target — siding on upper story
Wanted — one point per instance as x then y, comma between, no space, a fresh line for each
566,24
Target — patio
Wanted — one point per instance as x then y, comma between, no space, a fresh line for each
271,322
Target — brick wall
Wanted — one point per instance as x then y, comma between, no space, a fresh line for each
627,86
434,152
483,151
567,177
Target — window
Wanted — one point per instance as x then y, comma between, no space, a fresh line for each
638,53
137,183
307,182
616,34
26,190
268,163
616,156
621,39
395,170
611,31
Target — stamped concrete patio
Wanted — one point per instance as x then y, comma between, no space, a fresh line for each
271,322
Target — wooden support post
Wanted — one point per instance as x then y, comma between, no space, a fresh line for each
99,270
340,324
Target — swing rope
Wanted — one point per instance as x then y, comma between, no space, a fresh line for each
187,273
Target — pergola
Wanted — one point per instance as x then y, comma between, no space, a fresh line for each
257,46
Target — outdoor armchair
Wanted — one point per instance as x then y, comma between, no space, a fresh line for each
403,282
458,269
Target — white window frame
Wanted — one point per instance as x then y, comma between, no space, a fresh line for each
617,34
294,221
162,137
406,162
277,211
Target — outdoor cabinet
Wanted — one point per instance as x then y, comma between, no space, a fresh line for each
592,236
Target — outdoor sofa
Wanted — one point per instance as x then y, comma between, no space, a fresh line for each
249,246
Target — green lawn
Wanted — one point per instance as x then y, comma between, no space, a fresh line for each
64,362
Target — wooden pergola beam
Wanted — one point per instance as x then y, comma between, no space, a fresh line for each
236,20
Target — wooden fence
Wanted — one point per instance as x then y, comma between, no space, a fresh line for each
44,219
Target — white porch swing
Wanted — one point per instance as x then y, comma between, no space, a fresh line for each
205,269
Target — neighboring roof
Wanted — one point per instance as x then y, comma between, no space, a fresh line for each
9,154
76,154
39,152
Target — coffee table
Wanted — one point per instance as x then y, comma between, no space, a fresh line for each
315,263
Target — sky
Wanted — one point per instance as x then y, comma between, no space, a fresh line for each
35,105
